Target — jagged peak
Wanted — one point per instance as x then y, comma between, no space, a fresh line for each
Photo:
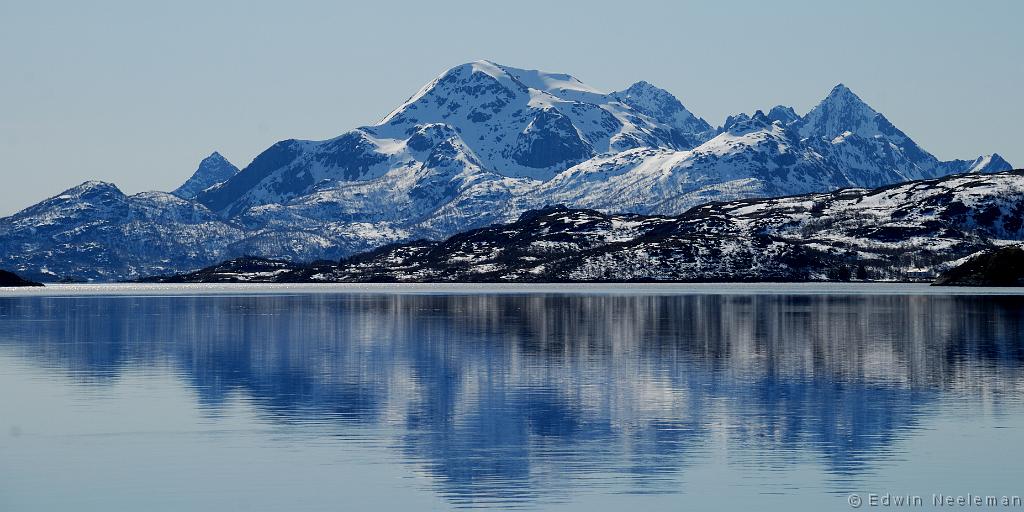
660,104
647,90
214,157
842,96
841,111
783,114
643,86
989,164
779,113
212,170
996,157
733,119
840,89
742,124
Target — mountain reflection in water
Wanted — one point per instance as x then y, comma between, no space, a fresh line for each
505,398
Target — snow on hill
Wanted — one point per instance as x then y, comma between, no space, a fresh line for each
94,231
752,158
891,233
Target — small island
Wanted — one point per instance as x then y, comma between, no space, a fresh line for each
10,279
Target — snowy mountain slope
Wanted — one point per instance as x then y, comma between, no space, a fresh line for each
517,123
441,169
895,232
94,231
212,170
687,131
752,158
439,189
293,168
551,127
873,150
533,124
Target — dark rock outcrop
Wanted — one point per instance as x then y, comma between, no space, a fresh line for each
10,279
1001,267
232,271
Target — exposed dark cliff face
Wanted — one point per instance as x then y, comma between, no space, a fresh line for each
12,279
1001,267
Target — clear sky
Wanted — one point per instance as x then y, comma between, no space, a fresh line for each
136,93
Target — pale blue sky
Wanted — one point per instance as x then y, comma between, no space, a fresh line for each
138,92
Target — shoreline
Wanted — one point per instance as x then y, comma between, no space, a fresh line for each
806,288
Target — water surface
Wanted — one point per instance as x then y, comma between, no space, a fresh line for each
707,397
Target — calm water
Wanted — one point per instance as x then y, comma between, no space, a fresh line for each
662,398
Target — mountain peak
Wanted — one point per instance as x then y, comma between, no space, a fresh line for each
840,88
843,96
215,160
843,111
997,158
88,191
212,170
661,104
652,94
732,119
783,114
531,123
743,123
481,66
644,86
91,186
989,164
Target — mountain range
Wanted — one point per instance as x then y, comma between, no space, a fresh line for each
909,231
480,144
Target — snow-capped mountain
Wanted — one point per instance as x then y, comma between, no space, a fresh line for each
687,129
542,138
212,170
753,157
480,144
516,123
869,147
